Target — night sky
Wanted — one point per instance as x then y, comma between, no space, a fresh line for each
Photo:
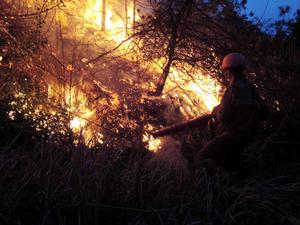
268,9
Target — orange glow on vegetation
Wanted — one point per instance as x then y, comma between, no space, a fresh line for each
80,111
198,93
196,96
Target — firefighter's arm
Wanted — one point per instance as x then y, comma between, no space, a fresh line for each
216,113
222,112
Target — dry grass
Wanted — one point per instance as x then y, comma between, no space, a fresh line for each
45,185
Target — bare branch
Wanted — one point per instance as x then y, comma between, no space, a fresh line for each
11,16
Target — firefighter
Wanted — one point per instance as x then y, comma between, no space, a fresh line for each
237,117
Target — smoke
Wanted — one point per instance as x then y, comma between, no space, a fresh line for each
168,158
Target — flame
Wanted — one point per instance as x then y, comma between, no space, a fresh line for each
153,144
116,24
202,90
210,100
76,124
94,14
77,104
195,89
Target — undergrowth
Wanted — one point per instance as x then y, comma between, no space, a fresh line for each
46,185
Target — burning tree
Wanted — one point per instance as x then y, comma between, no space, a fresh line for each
95,65
90,91
188,35
64,94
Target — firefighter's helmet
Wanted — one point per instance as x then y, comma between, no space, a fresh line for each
234,60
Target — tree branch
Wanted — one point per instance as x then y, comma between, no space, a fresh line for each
32,14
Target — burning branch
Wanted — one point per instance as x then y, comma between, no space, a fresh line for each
34,13
103,20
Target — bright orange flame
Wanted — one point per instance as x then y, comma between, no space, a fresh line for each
154,144
94,14
76,124
199,91
203,90
116,24
76,102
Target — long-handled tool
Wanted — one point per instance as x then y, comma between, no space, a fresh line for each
187,125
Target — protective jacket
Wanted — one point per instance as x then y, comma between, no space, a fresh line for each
240,108
238,116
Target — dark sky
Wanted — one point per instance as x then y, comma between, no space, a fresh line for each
268,9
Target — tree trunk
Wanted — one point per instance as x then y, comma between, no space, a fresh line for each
134,13
182,16
103,20
126,16
164,76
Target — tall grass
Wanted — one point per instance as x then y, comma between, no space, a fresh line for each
44,185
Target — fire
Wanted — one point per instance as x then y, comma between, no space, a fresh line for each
76,124
201,90
153,144
116,25
94,14
195,89
210,100
77,104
